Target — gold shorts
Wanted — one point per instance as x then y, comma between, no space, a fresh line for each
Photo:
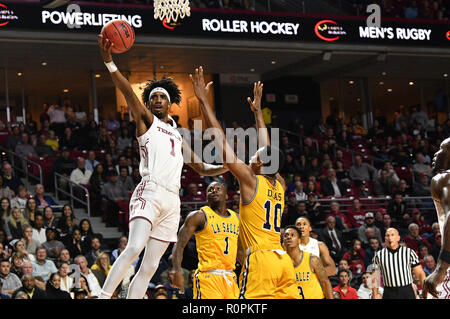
210,285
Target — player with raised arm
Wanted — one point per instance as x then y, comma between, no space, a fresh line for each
314,246
155,203
312,279
267,270
216,230
438,283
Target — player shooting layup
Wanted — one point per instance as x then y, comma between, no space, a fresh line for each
268,271
155,203
438,283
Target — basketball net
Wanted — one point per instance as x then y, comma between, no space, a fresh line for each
171,10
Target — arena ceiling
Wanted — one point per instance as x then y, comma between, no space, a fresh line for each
68,61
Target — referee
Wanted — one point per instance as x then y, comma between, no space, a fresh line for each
397,263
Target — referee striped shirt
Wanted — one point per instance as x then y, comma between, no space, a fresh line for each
396,265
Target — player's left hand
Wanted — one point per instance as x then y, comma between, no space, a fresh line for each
431,282
255,105
198,81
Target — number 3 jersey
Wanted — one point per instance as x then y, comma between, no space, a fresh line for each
161,154
217,241
260,219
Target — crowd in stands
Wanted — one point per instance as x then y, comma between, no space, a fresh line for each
414,9
341,176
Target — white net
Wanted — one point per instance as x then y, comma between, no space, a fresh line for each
171,10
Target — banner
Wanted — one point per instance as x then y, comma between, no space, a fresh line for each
203,23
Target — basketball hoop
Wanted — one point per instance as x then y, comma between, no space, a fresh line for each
171,10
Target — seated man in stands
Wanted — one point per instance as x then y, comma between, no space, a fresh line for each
361,171
420,167
42,149
43,200
342,221
356,214
413,240
9,179
115,193
24,148
64,166
369,222
383,185
331,186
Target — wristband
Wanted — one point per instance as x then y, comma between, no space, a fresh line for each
111,67
444,256
207,166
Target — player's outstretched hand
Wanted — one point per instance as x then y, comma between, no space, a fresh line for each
255,105
178,281
198,82
105,48
431,282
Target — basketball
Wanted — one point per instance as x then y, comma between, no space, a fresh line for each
120,33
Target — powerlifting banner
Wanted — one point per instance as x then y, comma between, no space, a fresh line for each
83,17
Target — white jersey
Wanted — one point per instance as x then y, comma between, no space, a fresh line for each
311,247
161,155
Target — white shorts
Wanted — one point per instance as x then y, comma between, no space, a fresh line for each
444,288
159,206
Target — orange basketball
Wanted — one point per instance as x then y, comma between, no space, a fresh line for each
120,33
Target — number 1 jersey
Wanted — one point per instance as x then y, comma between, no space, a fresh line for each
161,154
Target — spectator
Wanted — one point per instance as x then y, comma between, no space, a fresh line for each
424,228
101,267
39,230
2,295
96,182
80,175
87,233
333,239
115,193
42,149
63,257
391,174
94,252
67,212
64,166
57,119
5,191
413,240
53,246
291,217
383,185
126,180
419,167
355,257
361,171
299,193
421,188
356,214
67,282
13,139
77,246
19,246
123,242
49,217
91,280
343,288
404,189
10,180
364,292
369,222
43,267
331,186
17,223
31,210
315,211
411,11
68,141
290,166
16,263
10,282
41,199
103,140
53,288
430,264
30,288
124,139
398,210
341,218
52,140
91,162
24,148
21,199
374,246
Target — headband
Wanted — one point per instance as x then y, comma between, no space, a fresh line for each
161,90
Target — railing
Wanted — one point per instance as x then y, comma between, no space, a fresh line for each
71,194
22,164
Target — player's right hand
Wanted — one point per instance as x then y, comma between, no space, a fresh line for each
178,281
255,105
105,48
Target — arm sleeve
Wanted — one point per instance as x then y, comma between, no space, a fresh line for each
414,259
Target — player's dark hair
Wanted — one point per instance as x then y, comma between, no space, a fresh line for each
304,217
299,232
218,182
168,84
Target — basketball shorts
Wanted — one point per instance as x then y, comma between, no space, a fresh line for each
159,206
444,288
213,285
268,274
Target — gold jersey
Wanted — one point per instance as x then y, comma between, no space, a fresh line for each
260,219
217,241
308,284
